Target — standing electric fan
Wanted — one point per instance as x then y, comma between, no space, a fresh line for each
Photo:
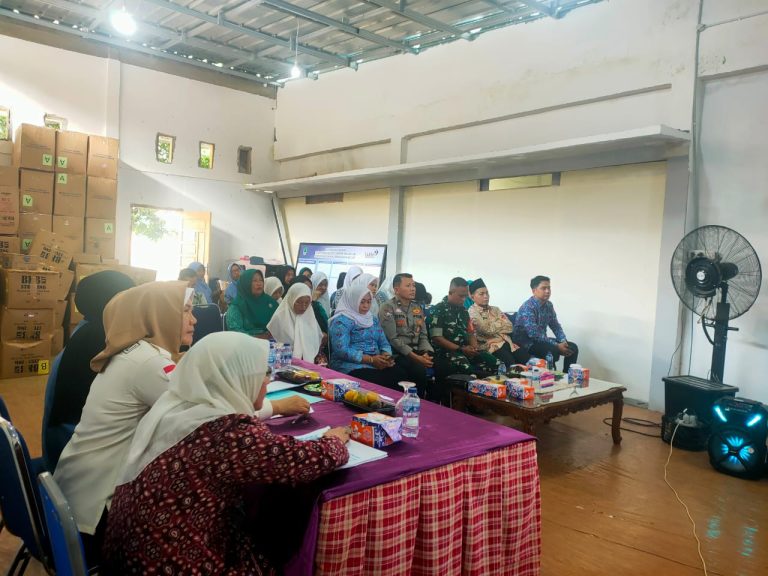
717,275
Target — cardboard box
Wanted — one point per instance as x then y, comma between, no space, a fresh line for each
57,341
375,429
30,225
23,324
335,388
71,227
25,358
100,237
75,316
102,157
138,275
59,310
54,248
71,152
9,244
9,210
34,288
83,258
69,195
36,192
6,153
486,388
101,198
23,262
9,175
34,147
84,270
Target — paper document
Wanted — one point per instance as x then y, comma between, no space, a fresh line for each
361,454
316,435
279,395
278,385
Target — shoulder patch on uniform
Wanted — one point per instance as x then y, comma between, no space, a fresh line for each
169,368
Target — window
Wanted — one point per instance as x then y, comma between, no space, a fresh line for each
512,183
5,123
55,122
244,159
164,146
206,155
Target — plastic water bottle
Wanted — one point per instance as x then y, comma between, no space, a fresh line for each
502,371
411,407
550,361
287,354
272,356
278,357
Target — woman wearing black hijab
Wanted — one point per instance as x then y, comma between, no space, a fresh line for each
74,377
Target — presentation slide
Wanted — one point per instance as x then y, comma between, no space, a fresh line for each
333,259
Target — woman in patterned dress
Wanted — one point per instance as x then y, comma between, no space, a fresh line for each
193,456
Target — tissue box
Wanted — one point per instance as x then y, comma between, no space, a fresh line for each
578,375
537,363
518,389
540,378
486,388
335,388
376,430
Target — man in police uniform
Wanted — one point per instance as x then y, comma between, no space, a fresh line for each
454,339
404,324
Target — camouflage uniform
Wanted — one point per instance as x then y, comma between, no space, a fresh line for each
453,323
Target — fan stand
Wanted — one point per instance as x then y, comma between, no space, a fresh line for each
721,334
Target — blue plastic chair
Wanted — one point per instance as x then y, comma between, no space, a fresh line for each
66,545
54,439
209,320
19,500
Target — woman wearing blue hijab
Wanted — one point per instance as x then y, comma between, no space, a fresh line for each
232,275
201,286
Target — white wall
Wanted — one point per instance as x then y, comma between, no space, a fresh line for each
551,80
103,96
360,219
597,235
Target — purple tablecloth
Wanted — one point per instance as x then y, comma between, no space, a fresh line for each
445,436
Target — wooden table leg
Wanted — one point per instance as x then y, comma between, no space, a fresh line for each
618,410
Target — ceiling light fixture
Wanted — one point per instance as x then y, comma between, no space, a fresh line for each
123,22
295,70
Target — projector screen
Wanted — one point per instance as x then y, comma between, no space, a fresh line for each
333,259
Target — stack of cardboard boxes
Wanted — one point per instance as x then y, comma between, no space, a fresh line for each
57,201
66,182
33,293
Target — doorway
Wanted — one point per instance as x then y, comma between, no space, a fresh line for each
167,240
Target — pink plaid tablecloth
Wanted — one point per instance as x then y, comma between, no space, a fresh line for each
479,516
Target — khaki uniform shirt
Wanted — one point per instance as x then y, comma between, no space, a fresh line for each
404,326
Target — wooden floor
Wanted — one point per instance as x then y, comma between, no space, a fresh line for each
605,509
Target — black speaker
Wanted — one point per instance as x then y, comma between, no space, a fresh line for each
737,443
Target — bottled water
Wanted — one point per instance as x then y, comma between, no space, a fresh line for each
278,357
411,407
550,361
502,371
287,355
272,356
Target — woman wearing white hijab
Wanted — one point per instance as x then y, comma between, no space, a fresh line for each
193,455
293,325
274,287
350,276
372,282
358,344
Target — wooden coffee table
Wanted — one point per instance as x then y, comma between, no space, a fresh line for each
544,407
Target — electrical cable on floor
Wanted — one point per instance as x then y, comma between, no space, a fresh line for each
698,542
635,422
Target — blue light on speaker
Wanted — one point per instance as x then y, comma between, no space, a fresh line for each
754,420
720,414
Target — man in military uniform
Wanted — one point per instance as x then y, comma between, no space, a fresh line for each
453,337
405,326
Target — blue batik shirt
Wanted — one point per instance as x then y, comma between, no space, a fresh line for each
533,319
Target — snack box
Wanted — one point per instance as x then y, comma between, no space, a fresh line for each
578,375
487,388
297,375
520,389
375,429
335,388
362,399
